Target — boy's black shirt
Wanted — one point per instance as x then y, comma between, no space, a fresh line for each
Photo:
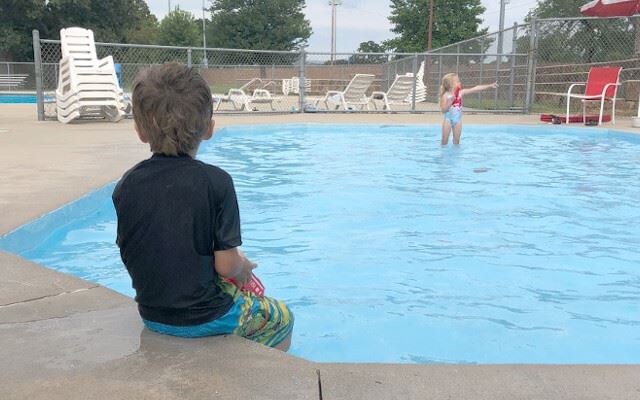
173,212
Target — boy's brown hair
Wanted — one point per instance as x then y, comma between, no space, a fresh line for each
172,108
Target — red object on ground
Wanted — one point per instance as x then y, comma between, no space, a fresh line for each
573,118
255,286
611,8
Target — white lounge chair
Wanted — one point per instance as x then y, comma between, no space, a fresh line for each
240,100
400,93
293,85
421,89
87,86
355,94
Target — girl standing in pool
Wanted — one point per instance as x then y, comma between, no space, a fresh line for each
451,105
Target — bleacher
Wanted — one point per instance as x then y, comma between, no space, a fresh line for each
12,81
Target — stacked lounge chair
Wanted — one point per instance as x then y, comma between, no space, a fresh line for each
400,93
87,86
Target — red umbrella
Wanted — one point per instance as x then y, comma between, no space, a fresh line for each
611,8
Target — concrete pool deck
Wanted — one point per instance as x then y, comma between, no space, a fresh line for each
63,337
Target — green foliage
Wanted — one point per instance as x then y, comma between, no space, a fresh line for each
118,21
453,21
258,24
557,9
17,19
369,47
179,28
578,41
145,32
111,21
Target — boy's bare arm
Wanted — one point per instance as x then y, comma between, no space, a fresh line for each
232,263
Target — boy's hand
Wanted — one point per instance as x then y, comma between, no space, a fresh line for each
233,264
247,270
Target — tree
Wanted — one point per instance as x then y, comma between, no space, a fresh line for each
111,21
179,28
17,19
369,47
582,40
258,24
453,21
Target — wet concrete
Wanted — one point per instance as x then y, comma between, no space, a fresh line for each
65,338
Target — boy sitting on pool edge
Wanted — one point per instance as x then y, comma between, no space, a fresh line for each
179,222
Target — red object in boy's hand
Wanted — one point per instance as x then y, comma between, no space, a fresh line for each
254,285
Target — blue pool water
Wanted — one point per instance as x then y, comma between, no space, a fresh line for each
520,246
17,99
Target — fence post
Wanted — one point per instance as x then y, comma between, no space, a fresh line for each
189,57
481,69
531,69
8,73
512,78
495,91
440,69
458,59
302,78
498,62
414,70
37,59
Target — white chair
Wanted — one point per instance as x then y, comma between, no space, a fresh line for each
293,85
240,100
353,95
87,86
398,94
421,89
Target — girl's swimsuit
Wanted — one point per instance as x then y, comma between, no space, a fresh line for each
455,111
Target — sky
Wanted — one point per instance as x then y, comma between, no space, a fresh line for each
357,20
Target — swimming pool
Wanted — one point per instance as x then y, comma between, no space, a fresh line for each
520,246
6,98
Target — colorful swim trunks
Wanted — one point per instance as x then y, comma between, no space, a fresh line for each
261,319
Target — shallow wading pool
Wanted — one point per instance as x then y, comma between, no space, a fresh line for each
520,246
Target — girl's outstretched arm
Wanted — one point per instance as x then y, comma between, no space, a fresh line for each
479,88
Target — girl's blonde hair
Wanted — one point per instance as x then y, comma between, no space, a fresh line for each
447,83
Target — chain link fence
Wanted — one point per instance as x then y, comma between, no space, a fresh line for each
17,77
534,64
489,58
565,50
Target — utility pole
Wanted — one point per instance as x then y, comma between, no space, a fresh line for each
430,28
169,1
501,28
333,4
204,37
